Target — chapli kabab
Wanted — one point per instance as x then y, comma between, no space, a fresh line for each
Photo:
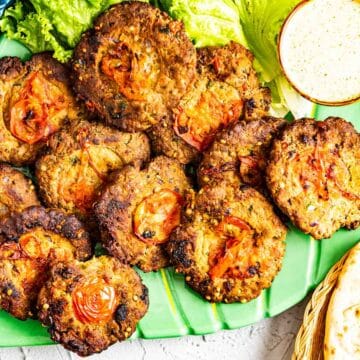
138,211
90,305
35,101
230,244
314,176
133,65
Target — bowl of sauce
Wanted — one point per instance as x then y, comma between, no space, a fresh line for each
319,50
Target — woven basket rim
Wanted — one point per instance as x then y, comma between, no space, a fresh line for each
309,341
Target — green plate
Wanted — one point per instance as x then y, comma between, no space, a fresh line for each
176,310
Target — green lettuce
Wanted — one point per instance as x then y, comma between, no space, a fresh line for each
44,25
261,21
208,23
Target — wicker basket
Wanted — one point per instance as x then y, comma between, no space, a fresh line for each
310,338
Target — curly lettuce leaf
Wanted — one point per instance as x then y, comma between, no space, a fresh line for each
56,26
208,23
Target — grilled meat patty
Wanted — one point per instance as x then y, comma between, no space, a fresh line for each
79,160
226,89
135,64
230,244
35,101
239,154
30,242
313,175
17,192
138,211
90,305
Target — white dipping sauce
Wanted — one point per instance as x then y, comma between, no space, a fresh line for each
320,50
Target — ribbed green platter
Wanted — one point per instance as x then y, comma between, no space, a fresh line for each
176,310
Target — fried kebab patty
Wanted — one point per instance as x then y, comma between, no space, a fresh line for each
36,100
230,244
226,89
30,242
17,192
239,153
314,177
135,64
79,161
138,211
89,306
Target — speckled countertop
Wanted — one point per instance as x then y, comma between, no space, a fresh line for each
270,339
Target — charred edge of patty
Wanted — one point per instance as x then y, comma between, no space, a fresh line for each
53,220
13,67
165,141
126,315
254,132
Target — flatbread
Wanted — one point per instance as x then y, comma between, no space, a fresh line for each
342,329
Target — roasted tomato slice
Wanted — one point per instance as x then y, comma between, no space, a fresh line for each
157,216
11,251
320,167
27,121
32,116
250,169
235,259
94,301
216,107
34,247
133,72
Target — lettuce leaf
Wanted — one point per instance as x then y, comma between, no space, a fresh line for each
44,25
261,21
208,23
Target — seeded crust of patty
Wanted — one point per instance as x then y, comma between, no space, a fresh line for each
230,244
79,160
313,175
129,209
34,95
17,192
30,242
89,306
239,154
135,64
226,89
233,64
164,140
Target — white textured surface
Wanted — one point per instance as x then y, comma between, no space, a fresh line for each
270,339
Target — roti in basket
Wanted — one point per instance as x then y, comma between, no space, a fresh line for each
342,331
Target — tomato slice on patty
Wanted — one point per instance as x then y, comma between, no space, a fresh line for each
34,247
157,216
27,121
11,251
235,259
133,71
32,115
322,166
217,107
94,301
